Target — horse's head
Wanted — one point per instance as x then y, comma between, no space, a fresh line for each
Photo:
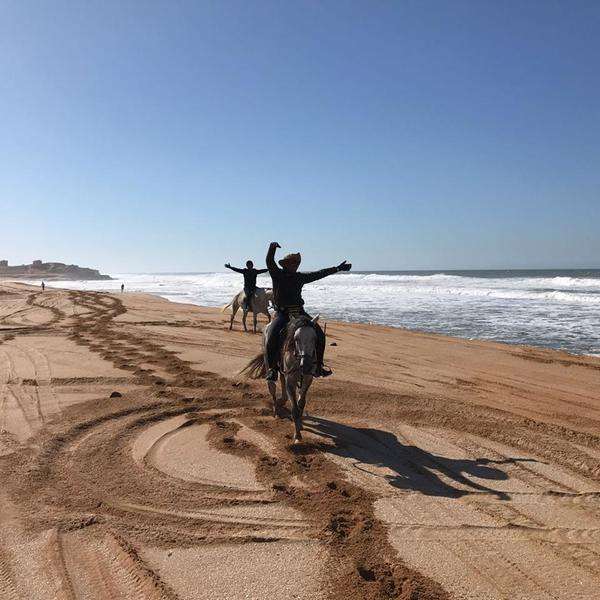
305,345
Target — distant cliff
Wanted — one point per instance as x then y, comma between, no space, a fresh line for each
48,270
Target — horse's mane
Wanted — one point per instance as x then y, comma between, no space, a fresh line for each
291,328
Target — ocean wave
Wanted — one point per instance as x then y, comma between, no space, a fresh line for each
506,293
556,312
384,278
469,282
572,282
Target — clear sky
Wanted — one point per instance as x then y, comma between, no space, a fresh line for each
155,136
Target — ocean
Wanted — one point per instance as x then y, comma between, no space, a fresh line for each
548,308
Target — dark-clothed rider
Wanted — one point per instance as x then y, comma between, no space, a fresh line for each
288,302
250,274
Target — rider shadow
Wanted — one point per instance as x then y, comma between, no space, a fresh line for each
411,467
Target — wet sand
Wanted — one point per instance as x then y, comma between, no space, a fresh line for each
432,467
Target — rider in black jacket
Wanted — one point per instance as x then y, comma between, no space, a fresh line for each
249,274
287,300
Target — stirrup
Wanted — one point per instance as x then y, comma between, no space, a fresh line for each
271,375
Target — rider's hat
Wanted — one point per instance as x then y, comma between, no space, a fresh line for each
291,260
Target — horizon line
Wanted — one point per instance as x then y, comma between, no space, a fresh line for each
436,270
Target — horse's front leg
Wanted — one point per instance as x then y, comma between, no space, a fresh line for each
291,385
273,391
306,383
284,397
278,404
233,313
254,321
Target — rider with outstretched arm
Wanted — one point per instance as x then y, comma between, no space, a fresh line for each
250,274
287,300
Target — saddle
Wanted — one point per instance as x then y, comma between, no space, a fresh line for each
293,312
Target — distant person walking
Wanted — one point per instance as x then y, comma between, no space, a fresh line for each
43,286
250,274
122,288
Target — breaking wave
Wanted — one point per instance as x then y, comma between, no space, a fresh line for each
556,309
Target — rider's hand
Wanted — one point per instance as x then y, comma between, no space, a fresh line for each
275,245
227,266
344,266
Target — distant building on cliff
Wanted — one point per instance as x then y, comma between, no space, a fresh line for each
51,270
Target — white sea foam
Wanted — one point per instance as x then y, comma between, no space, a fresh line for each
559,311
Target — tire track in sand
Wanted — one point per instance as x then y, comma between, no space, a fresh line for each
452,519
98,567
8,588
83,470
514,552
526,535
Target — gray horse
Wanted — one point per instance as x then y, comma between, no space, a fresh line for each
298,363
259,304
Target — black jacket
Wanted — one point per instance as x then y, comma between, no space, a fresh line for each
287,286
249,276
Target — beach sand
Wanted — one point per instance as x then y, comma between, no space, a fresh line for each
432,467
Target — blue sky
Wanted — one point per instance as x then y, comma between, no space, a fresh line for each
158,136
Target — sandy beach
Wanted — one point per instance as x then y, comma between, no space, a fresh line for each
137,463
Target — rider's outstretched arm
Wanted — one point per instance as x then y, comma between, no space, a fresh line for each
228,266
316,275
261,271
270,260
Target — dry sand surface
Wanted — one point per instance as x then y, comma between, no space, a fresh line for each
432,467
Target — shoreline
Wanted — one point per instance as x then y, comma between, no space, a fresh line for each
524,345
430,365
169,298
130,446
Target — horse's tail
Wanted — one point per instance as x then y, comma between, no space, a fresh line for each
256,368
226,306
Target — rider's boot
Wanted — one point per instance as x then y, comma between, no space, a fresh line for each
272,345
321,370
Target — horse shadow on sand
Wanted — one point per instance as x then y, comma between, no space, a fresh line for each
410,467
